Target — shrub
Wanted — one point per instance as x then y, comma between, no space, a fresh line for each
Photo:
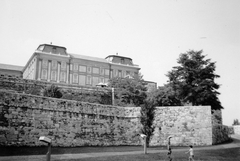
52,91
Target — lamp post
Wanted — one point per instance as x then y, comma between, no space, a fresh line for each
48,141
145,142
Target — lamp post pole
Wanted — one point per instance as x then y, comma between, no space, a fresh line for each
48,141
48,155
113,96
145,145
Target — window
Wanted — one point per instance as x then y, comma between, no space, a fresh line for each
95,70
119,73
54,75
75,78
95,81
44,63
102,71
54,50
106,71
40,48
115,73
44,74
82,80
75,67
82,68
89,69
54,64
89,79
63,65
62,76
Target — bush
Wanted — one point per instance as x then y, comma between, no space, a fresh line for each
52,91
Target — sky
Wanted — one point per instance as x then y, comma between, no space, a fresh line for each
151,32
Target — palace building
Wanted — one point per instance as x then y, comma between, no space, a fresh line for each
54,64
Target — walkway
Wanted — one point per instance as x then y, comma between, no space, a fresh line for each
234,144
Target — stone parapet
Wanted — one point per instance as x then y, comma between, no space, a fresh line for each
24,118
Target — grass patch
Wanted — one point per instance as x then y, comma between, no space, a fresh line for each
232,154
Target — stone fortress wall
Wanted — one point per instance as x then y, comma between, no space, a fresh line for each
24,118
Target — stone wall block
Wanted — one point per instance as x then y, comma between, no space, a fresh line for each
184,124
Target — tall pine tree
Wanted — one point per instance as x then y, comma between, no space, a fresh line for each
194,80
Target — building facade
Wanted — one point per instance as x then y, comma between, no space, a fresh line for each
11,70
53,64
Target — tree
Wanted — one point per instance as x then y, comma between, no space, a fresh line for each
133,92
236,122
129,91
52,91
147,117
194,80
166,96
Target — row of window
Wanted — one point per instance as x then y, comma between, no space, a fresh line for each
76,78
120,73
87,69
76,67
54,64
63,74
92,76
88,80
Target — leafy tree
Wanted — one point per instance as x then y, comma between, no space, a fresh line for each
236,122
194,80
133,91
129,91
166,96
52,91
147,117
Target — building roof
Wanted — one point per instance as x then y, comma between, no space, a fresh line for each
53,46
11,67
88,58
118,56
